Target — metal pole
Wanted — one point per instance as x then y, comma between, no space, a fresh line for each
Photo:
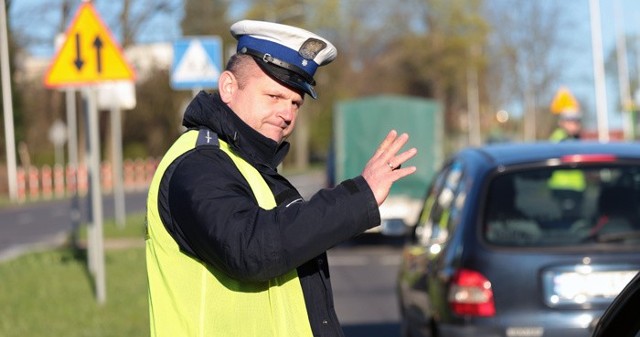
598,72
529,115
91,261
72,143
96,196
473,101
623,73
8,106
116,165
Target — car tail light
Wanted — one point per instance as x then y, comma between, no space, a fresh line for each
470,294
588,158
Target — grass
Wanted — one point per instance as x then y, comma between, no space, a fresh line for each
51,293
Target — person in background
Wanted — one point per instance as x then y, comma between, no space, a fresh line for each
568,186
569,127
232,249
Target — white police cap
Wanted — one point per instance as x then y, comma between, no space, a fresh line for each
289,54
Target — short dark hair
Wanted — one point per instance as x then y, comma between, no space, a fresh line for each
238,65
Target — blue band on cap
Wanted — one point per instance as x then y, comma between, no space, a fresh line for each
278,51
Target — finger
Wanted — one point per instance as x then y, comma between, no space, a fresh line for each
400,173
397,144
404,156
388,140
396,161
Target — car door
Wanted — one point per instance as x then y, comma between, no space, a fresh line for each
430,232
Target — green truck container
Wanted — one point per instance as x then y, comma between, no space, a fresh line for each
359,127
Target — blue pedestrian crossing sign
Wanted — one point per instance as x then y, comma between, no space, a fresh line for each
197,63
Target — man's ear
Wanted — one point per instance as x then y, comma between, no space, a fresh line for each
227,85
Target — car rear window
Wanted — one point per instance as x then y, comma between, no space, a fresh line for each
564,206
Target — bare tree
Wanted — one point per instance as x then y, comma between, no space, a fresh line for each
206,18
126,18
528,49
433,56
136,15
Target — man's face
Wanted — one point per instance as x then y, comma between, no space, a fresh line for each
266,105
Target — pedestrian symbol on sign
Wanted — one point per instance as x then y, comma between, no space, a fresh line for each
197,63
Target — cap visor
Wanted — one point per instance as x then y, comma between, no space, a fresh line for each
287,78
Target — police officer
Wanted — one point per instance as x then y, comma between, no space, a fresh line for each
569,126
232,248
568,186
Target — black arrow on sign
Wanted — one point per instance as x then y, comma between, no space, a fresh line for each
97,43
78,61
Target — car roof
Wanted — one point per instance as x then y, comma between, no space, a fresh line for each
506,154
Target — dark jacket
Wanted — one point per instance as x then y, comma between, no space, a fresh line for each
209,209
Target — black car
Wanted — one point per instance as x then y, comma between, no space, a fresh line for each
523,240
621,317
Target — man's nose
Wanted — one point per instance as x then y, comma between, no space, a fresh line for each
288,111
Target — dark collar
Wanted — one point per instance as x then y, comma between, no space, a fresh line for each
209,111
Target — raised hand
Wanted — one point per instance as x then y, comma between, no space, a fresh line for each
384,167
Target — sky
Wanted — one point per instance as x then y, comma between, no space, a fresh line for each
579,79
24,12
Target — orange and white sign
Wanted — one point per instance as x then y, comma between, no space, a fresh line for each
564,102
89,54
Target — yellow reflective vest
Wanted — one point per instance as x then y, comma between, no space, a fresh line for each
190,298
572,180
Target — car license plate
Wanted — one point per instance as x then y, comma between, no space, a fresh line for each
581,287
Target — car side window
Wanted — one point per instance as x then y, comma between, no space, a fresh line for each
437,213
425,224
458,203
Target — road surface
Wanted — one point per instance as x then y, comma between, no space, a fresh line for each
42,225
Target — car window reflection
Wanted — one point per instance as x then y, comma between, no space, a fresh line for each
561,206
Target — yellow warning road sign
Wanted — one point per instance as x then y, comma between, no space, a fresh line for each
564,102
89,54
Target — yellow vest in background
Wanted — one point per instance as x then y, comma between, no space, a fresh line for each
188,298
572,180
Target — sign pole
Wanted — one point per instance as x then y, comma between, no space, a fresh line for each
96,232
72,143
116,165
88,56
91,261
